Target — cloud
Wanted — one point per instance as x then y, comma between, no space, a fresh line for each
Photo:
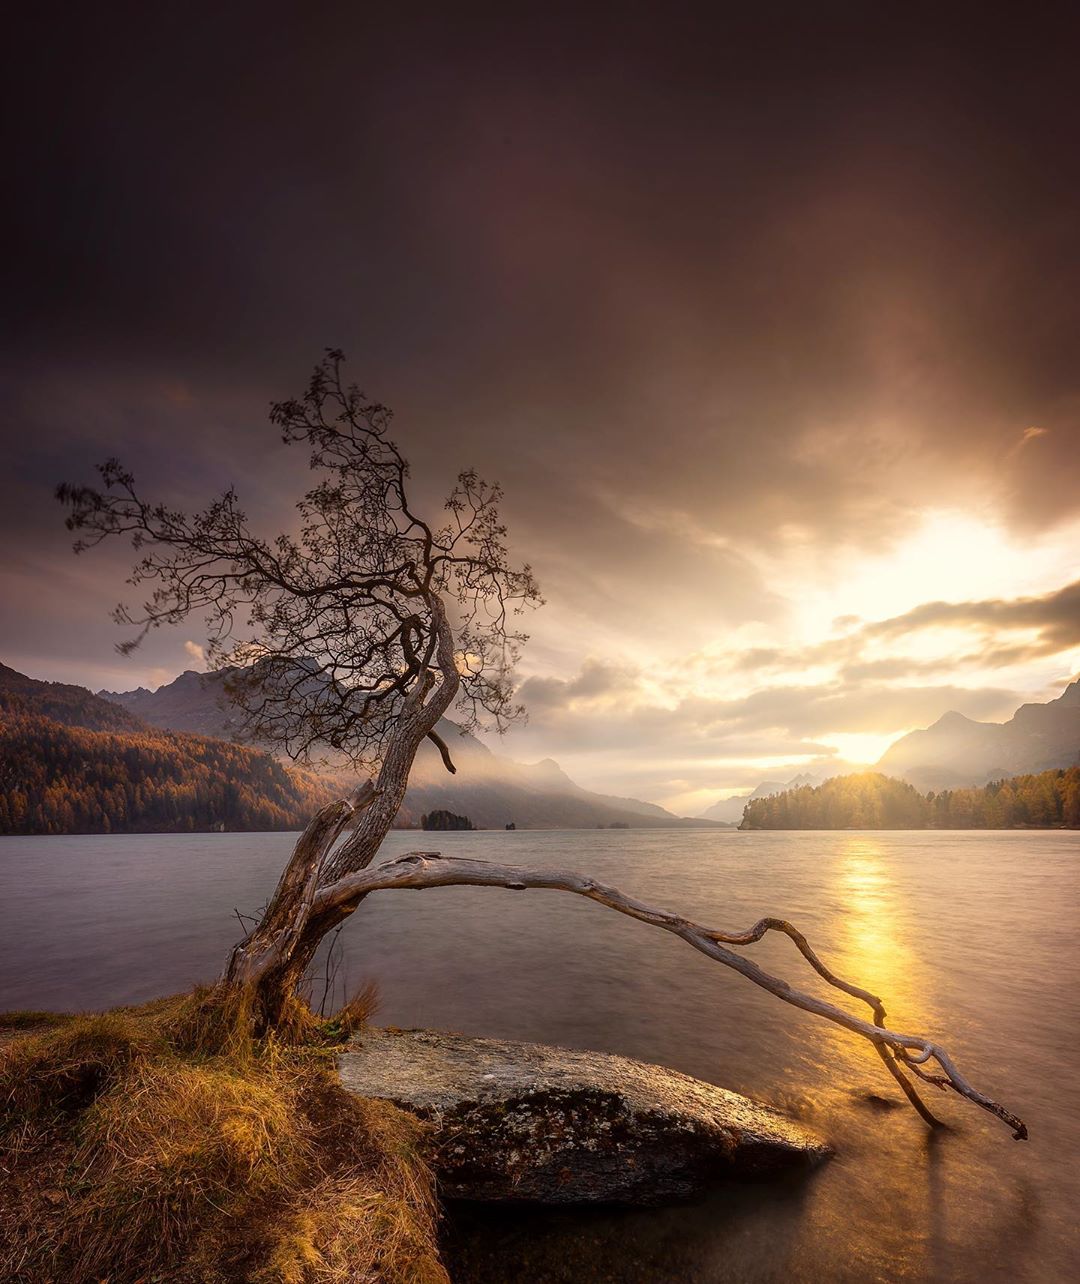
195,652
702,325
1054,617
1047,624
623,731
598,682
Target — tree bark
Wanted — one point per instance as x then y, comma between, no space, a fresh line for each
272,961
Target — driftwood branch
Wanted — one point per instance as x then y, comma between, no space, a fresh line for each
430,869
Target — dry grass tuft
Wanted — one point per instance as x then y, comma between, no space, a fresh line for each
163,1142
357,1011
64,1069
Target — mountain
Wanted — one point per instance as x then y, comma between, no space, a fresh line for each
72,763
492,791
957,751
72,706
194,702
730,810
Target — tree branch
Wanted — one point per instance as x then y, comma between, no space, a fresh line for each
430,869
444,751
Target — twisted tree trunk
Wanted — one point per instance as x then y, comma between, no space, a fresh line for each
272,960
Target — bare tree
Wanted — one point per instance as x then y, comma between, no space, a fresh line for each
357,634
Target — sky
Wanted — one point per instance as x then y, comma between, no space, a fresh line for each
767,323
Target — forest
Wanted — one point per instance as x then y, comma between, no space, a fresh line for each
57,779
870,800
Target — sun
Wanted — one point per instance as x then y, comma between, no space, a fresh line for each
860,748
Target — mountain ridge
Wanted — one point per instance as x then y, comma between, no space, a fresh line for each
64,702
491,790
72,763
957,750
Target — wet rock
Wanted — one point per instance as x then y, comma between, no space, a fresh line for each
525,1121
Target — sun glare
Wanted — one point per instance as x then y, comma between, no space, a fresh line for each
948,557
860,747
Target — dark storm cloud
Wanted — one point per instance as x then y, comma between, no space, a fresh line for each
687,282
653,241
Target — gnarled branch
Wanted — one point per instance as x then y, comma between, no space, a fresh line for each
444,751
418,870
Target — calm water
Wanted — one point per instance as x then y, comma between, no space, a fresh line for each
972,938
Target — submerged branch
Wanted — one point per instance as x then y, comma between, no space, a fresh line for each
430,869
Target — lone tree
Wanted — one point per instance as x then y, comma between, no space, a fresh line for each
357,634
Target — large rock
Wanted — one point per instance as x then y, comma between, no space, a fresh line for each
529,1122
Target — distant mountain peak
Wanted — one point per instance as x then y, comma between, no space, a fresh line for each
549,769
956,719
1071,694
69,705
956,750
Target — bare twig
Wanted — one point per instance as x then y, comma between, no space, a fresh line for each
243,920
331,968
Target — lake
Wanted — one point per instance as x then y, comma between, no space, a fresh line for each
971,938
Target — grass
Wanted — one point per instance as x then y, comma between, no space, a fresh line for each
161,1143
28,1019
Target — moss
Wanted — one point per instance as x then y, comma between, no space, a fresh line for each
165,1141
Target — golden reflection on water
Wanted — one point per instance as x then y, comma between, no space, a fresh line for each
875,949
870,944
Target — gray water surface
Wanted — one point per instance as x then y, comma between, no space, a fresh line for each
972,938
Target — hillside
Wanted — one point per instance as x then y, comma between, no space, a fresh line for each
957,750
870,800
74,764
194,702
69,705
491,790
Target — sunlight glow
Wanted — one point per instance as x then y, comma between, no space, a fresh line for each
874,942
861,747
947,557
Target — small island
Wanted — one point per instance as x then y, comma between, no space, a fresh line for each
443,820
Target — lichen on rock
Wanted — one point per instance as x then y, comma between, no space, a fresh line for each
526,1121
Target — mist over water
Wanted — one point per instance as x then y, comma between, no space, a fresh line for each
971,938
